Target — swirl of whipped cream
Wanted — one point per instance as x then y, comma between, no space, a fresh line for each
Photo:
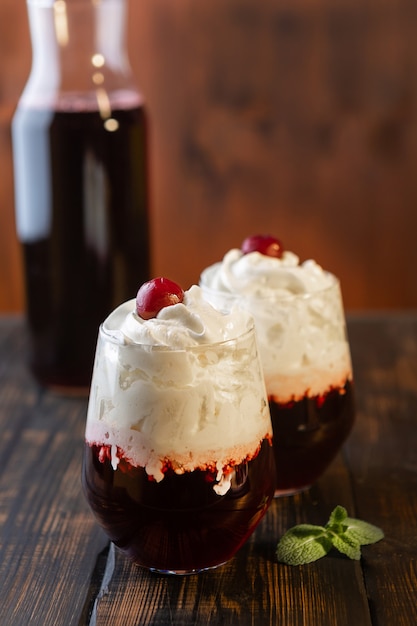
189,323
258,275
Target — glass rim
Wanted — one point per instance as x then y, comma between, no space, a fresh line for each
117,338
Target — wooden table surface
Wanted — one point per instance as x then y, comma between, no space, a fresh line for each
56,567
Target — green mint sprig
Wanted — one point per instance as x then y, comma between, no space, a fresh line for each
306,543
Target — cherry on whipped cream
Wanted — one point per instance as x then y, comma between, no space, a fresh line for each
155,295
265,244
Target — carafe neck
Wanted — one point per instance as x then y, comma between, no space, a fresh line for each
78,50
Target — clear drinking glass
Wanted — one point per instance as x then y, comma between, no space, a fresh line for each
307,367
178,462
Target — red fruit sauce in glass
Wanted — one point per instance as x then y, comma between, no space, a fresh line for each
178,524
308,434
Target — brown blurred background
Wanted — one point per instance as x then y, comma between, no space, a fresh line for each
295,117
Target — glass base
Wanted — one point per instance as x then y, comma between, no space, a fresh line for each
290,491
183,572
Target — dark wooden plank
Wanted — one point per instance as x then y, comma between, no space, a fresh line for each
48,540
50,544
253,589
382,455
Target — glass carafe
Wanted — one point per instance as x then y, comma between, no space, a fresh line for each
81,183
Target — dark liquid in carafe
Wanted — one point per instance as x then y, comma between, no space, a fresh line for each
86,243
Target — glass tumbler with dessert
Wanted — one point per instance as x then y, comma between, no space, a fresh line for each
301,331
178,463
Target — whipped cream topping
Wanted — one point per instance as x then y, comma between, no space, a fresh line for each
164,390
258,275
189,323
299,319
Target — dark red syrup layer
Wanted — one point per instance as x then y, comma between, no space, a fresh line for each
179,523
308,433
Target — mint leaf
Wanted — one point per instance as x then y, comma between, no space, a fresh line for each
306,543
347,546
302,544
363,532
337,516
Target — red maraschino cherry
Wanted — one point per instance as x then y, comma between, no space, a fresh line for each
265,244
156,294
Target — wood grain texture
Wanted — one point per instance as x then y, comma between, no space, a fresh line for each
382,456
292,117
55,566
252,588
298,118
48,541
